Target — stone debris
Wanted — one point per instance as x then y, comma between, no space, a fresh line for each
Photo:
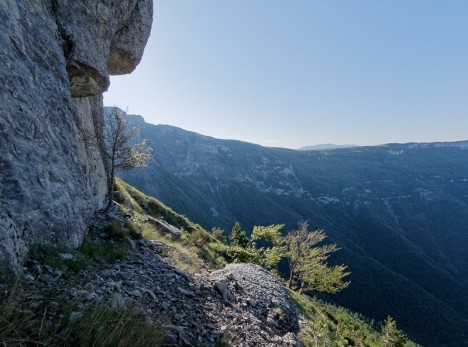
242,304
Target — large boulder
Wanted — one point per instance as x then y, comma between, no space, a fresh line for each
56,58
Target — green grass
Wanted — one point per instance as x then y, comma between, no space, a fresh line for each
105,252
22,324
196,249
90,251
51,256
153,207
107,327
331,325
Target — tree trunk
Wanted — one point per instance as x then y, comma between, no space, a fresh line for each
290,283
111,185
301,289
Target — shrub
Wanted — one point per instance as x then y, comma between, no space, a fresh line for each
52,256
199,237
218,234
106,252
134,231
115,232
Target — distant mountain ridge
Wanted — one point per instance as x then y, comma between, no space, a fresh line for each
399,212
325,146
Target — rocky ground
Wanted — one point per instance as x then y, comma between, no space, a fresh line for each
240,305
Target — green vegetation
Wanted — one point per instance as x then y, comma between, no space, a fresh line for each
102,252
51,256
197,248
273,250
308,262
391,336
330,325
194,250
91,251
104,326
238,236
218,234
308,267
153,207
22,324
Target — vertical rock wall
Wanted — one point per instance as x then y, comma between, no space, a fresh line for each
55,57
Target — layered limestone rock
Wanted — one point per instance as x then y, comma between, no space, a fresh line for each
56,58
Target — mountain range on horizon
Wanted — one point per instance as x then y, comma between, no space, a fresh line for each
399,212
139,120
324,146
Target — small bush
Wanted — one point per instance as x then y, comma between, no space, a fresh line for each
218,234
106,252
200,237
115,232
134,231
51,256
48,255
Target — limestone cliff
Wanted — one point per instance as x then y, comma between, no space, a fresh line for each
56,57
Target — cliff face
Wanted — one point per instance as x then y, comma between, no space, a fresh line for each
56,59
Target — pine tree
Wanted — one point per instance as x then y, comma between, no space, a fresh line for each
218,234
238,237
391,336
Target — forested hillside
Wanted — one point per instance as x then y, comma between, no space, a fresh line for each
399,212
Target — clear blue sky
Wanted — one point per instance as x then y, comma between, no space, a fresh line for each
303,72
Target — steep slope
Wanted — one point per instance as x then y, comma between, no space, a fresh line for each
56,59
134,283
398,211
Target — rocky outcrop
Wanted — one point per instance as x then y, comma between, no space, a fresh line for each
102,37
165,227
56,58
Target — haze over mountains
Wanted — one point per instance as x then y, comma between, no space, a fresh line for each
399,212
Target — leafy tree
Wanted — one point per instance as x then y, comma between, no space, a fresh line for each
238,237
218,234
119,152
271,254
391,336
308,262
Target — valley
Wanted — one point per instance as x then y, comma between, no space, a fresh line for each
399,212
